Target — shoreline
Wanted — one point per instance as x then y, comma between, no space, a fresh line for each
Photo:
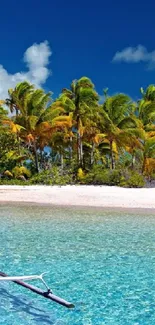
110,198
82,208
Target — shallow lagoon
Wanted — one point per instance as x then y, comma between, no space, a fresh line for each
103,262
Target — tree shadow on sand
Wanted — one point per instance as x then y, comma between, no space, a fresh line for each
17,304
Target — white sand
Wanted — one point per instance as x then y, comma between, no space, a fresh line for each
97,196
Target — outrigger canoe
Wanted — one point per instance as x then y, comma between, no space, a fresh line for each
46,294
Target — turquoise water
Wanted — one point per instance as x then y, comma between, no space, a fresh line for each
102,262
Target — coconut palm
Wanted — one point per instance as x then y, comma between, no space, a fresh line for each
3,114
118,123
38,118
17,96
149,93
146,113
92,135
82,100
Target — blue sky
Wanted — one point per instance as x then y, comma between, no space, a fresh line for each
87,38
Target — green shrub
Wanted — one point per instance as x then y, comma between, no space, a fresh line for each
134,180
115,177
52,176
151,178
4,181
100,176
124,178
97,176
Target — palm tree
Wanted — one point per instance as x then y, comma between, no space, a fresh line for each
38,118
15,102
146,114
118,123
92,135
149,93
82,100
3,114
31,116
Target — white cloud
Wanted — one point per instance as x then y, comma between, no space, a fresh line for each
36,58
135,55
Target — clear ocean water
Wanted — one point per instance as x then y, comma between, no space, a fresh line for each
103,262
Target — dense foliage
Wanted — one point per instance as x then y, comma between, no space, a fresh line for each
75,138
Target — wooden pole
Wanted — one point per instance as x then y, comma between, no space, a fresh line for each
45,294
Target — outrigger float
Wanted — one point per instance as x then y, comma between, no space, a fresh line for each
46,294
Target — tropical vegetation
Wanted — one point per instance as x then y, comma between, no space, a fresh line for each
77,137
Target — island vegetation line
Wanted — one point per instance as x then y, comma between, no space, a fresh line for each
79,137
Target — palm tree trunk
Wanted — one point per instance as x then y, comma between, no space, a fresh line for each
81,152
133,161
144,162
78,149
36,157
42,164
71,149
144,157
16,111
112,156
78,141
92,154
79,145
18,145
62,161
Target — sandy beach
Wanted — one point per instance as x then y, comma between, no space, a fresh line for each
70,195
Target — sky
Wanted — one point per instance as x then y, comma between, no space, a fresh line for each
50,43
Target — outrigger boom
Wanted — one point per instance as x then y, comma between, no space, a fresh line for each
46,294
27,277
